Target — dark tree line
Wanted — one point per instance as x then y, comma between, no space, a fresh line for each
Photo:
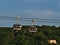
23,37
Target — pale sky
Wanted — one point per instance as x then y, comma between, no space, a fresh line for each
29,8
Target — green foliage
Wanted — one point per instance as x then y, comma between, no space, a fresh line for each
23,37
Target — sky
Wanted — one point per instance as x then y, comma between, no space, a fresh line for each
30,8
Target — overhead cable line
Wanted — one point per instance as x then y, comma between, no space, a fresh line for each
18,18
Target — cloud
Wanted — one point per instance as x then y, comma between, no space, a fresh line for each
43,14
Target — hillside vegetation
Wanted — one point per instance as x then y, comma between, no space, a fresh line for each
24,37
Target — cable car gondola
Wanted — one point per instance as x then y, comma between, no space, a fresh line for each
32,28
52,40
17,26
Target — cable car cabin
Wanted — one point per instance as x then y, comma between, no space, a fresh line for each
33,28
52,41
17,27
